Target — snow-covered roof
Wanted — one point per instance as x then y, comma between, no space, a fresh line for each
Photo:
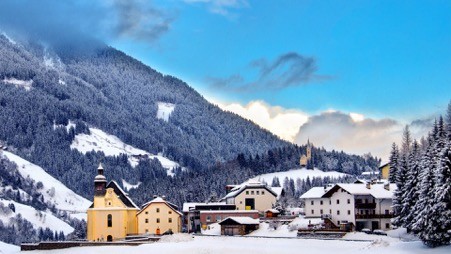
376,190
315,192
370,173
160,200
242,220
190,205
251,184
272,210
229,211
123,196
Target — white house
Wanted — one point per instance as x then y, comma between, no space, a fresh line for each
363,205
252,196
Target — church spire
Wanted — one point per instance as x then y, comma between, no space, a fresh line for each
100,182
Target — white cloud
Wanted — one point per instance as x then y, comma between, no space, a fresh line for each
221,7
283,122
351,132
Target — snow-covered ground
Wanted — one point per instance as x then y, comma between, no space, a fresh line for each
187,244
8,248
53,191
165,110
294,174
26,84
37,218
111,145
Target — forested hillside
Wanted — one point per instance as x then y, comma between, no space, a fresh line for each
45,88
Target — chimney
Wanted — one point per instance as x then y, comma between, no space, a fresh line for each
155,196
368,185
387,186
163,197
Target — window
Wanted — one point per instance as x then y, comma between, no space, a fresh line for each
147,212
158,220
387,225
147,221
349,201
321,202
218,217
247,192
330,211
366,201
258,192
170,212
252,192
109,203
147,231
110,220
387,212
158,210
330,202
170,220
208,218
366,212
321,211
312,202
349,212
338,222
263,192
338,201
313,211
338,212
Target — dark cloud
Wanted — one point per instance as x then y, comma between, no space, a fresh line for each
76,22
141,21
288,70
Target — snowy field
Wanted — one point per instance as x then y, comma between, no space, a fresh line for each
188,244
53,190
165,110
111,145
294,174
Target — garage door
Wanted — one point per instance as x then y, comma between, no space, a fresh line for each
231,231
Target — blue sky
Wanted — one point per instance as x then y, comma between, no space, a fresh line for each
382,58
363,68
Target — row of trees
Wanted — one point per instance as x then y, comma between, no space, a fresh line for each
422,173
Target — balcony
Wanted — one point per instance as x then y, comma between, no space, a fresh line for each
365,205
373,216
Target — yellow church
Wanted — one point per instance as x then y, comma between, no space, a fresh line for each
306,157
113,215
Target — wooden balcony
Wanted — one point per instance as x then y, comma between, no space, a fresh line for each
365,205
373,216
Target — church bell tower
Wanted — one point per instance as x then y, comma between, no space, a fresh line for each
99,182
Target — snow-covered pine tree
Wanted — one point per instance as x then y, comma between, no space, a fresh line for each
439,223
423,207
394,155
399,211
411,187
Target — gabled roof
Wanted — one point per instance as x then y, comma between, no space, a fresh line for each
376,190
160,200
122,195
241,220
249,185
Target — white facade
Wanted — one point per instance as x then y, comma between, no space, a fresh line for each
362,205
252,196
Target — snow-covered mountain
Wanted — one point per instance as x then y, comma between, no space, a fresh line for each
111,145
54,192
39,219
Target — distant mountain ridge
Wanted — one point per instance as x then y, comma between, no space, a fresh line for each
43,87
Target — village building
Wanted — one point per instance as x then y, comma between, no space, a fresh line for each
200,215
112,215
158,217
385,171
306,157
358,205
251,196
238,225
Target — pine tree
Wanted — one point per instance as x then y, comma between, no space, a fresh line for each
440,218
411,187
394,154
